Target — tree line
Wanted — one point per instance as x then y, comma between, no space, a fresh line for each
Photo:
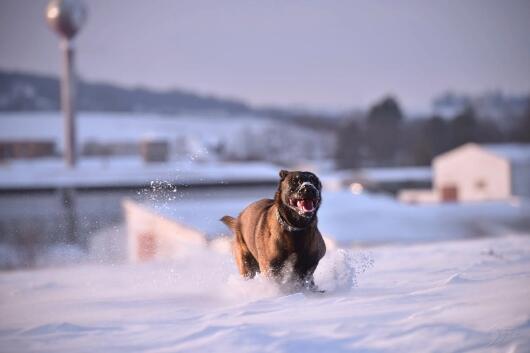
384,137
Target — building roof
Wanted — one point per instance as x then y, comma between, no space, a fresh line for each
514,152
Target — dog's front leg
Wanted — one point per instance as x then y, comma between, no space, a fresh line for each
308,281
281,271
272,268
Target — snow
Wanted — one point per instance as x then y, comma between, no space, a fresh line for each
397,174
379,218
459,296
128,171
376,175
422,291
120,127
201,136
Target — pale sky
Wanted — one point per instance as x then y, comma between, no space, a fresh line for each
326,54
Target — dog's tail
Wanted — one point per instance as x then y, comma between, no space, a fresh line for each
229,221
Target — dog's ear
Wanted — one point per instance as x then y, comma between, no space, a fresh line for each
278,195
319,182
283,174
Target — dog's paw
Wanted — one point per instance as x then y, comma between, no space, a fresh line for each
314,292
312,288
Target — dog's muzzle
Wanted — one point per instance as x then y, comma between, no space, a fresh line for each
307,188
305,200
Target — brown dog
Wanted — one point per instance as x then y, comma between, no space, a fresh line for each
279,237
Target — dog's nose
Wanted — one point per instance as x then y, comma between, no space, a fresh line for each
308,187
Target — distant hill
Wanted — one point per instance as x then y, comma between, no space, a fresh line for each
500,107
32,92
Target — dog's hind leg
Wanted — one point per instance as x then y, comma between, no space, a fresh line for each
246,263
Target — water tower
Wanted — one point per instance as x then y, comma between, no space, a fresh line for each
66,17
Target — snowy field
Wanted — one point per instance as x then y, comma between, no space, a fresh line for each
204,137
398,277
459,296
113,126
128,172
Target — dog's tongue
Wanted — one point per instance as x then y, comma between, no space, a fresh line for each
306,205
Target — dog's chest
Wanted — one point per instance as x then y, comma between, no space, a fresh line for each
297,248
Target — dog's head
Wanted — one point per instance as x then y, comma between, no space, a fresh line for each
299,195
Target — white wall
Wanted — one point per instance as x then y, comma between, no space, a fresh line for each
167,238
468,167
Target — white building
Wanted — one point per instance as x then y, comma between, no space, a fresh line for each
151,236
475,172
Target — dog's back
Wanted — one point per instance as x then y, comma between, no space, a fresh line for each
250,223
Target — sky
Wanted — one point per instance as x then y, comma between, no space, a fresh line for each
325,54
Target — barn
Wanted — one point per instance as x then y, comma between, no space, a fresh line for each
474,172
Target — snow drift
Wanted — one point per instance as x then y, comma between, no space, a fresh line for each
464,296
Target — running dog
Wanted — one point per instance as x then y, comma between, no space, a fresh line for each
279,237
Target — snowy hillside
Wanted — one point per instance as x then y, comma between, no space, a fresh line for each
33,92
466,296
200,137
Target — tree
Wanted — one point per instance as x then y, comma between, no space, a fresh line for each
431,138
383,131
349,144
464,128
522,131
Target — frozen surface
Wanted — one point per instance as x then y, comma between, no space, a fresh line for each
460,296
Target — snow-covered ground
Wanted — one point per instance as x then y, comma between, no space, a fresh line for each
393,174
459,296
199,136
444,295
128,172
116,127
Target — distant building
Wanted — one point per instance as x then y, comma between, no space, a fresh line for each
154,150
475,172
151,236
105,149
26,149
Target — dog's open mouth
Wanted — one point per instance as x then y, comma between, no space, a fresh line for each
303,205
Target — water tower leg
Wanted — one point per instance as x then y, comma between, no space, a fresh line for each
68,199
68,95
